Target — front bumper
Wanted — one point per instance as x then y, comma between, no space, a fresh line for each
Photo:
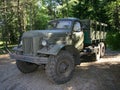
31,59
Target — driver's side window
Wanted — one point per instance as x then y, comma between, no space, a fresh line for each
77,26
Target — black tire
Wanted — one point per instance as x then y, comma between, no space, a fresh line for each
102,49
26,67
96,56
60,68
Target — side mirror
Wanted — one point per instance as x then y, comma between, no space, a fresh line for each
77,27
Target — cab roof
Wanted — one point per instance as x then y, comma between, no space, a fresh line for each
69,18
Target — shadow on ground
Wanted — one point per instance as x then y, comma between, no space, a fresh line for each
99,75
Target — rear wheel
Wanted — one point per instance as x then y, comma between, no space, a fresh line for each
60,68
102,49
96,55
26,67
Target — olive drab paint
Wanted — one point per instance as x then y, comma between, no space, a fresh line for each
69,36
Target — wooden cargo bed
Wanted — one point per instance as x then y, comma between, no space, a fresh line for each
93,31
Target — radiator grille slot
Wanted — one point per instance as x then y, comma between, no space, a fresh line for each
28,46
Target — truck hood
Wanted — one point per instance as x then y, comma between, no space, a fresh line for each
45,33
52,36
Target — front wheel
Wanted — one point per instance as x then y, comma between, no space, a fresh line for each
26,67
60,68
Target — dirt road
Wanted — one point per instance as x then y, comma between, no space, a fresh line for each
100,75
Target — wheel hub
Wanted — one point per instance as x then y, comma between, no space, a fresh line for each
63,67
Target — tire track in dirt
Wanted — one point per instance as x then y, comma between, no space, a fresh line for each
100,75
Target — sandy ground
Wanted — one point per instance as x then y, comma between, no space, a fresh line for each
100,75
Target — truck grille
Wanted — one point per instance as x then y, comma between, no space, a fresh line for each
28,46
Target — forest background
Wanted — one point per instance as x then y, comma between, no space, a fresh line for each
19,16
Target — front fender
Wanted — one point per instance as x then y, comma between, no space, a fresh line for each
51,50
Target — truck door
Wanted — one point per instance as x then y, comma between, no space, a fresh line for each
78,36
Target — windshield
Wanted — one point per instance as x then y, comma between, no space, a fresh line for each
63,24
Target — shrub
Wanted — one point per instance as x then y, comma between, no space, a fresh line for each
113,40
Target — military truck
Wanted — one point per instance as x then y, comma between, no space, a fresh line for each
60,47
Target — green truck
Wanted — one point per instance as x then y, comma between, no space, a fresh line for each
60,47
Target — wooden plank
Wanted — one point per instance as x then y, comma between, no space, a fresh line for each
93,31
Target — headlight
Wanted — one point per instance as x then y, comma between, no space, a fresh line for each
44,42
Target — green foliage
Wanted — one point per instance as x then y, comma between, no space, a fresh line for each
4,50
34,14
41,22
113,40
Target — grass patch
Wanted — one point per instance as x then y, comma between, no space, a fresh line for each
3,49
